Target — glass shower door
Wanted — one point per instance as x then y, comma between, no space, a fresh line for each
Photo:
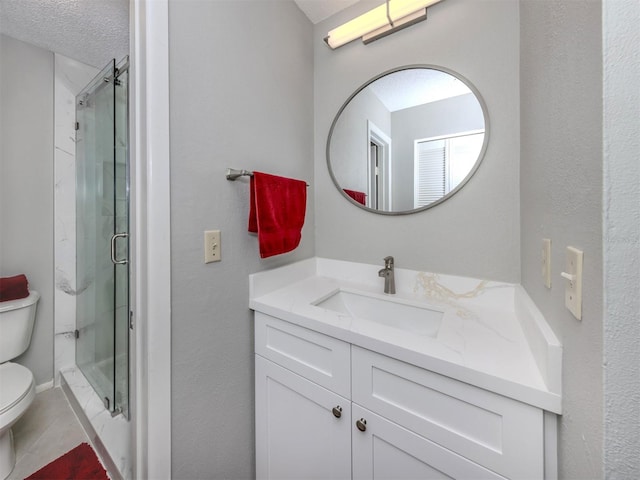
102,206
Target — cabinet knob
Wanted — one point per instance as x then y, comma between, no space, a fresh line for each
361,424
337,411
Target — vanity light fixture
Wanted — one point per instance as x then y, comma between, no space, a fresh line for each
384,20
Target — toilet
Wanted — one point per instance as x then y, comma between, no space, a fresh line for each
17,386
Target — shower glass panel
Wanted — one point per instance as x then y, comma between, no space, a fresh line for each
102,226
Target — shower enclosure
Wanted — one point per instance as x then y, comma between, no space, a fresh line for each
102,230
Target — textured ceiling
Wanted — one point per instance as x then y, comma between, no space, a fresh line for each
91,31
318,10
95,31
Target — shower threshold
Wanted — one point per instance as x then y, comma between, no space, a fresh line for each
113,440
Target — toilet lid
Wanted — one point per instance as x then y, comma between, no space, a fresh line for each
16,382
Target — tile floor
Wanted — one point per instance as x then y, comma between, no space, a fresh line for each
47,430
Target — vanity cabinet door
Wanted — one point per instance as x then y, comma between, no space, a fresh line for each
385,450
303,431
504,435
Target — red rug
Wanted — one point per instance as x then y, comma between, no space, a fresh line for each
81,463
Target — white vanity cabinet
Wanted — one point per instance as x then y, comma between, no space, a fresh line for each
393,420
303,411
298,435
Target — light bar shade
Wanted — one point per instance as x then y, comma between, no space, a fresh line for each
375,19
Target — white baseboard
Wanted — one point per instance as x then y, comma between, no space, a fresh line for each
44,386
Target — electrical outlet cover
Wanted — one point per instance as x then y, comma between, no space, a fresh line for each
573,275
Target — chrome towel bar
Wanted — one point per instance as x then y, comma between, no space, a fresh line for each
233,174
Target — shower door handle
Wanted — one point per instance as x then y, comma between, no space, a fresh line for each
113,249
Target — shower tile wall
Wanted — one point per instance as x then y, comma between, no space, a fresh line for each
70,78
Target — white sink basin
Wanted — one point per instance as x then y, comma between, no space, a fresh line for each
407,316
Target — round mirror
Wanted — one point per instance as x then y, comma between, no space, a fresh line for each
407,140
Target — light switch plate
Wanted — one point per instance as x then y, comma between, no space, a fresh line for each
573,275
546,262
212,251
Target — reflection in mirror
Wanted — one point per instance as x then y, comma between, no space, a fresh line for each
407,140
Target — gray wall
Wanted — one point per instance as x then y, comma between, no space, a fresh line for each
26,185
484,215
561,199
241,96
622,238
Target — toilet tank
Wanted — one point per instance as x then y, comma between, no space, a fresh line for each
16,325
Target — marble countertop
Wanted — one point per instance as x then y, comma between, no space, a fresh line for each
491,335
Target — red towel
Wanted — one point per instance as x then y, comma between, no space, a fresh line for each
359,197
276,212
13,288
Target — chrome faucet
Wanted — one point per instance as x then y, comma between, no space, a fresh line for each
389,276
